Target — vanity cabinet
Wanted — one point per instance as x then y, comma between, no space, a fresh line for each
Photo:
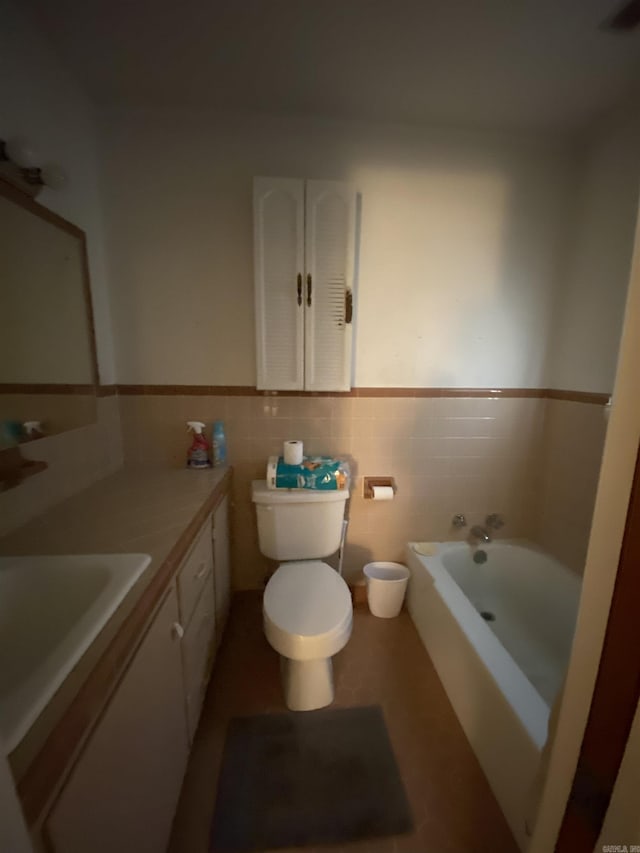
197,609
195,573
221,565
122,792
204,583
304,256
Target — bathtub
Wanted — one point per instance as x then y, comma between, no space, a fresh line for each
501,670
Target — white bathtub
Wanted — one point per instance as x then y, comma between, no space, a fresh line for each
501,676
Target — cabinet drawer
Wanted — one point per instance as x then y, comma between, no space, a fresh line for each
197,649
195,569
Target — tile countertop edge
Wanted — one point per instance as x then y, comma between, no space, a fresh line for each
44,776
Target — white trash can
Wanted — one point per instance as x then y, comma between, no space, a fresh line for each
386,586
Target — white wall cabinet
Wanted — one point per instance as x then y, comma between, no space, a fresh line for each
122,793
304,256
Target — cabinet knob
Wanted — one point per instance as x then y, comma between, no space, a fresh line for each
177,631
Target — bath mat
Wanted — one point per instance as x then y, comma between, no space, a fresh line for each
317,777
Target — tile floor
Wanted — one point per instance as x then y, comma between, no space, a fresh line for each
384,663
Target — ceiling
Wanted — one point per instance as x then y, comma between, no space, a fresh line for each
526,64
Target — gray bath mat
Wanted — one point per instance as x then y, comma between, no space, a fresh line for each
317,777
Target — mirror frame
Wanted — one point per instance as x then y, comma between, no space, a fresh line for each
17,196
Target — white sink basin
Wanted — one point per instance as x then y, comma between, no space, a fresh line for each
51,610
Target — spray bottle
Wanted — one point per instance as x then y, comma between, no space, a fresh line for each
33,429
198,455
219,445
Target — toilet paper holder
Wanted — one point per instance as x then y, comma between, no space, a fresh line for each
369,482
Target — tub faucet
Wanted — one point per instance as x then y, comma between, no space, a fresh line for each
479,533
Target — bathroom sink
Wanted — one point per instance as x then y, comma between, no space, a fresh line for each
51,610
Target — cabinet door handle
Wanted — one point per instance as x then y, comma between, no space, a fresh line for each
299,288
348,306
309,286
177,630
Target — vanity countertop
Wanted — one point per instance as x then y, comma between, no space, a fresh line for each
142,510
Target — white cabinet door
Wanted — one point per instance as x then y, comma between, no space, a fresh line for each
122,793
198,650
329,258
304,234
221,564
278,205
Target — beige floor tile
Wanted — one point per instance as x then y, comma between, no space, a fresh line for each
384,663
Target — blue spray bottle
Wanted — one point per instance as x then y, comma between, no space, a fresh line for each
219,445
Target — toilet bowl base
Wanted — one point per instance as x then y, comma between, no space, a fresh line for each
307,684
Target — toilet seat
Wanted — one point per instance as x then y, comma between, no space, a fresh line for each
307,611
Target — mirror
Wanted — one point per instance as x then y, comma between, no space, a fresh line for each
48,366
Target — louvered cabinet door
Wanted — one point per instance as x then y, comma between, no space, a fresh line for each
329,256
278,205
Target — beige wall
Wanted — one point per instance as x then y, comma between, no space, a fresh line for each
595,271
460,244
495,261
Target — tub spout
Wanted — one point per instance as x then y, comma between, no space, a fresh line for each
479,533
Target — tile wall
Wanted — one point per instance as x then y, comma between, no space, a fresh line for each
535,461
570,455
466,455
64,411
75,459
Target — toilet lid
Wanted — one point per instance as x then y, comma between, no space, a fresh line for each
307,598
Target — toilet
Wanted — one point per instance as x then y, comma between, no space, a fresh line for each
307,605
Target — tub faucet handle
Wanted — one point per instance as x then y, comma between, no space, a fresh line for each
459,520
494,521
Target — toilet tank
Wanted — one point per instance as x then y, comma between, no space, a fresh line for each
298,524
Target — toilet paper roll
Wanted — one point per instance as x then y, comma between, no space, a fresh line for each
383,493
293,452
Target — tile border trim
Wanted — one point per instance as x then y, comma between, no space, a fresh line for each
578,396
252,391
47,388
106,390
